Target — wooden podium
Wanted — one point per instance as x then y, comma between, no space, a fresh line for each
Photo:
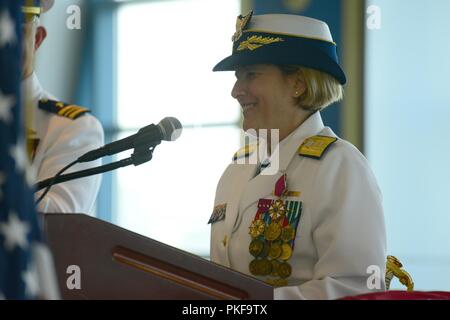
118,264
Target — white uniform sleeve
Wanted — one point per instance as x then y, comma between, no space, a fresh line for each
76,138
348,230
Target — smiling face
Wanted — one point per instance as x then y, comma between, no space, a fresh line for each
267,98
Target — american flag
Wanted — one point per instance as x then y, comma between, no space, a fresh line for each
26,269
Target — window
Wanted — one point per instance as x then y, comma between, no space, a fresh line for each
166,52
407,133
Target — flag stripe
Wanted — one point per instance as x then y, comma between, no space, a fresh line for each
19,228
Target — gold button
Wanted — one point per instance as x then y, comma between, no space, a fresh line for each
224,241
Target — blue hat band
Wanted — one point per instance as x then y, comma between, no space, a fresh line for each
263,39
257,48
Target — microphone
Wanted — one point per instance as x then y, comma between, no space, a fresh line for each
168,129
143,142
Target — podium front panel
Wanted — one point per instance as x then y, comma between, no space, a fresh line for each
113,263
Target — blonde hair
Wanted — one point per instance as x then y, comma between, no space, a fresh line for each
321,89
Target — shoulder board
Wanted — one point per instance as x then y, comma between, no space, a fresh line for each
244,152
315,147
61,109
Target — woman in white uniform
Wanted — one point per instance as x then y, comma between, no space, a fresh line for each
307,217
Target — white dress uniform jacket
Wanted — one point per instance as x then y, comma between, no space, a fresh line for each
341,231
61,141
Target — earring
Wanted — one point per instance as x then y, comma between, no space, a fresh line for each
296,94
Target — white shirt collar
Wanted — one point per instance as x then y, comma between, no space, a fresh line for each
31,88
310,127
288,147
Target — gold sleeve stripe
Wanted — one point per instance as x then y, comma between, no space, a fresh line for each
73,115
62,111
65,111
70,110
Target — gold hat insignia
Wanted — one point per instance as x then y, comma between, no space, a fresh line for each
241,24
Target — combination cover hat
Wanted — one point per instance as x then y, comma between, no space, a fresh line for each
37,7
286,40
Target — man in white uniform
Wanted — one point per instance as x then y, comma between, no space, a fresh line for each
58,133
308,219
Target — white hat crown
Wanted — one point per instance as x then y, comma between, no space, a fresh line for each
291,25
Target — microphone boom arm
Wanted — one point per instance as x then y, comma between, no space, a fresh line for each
143,142
136,158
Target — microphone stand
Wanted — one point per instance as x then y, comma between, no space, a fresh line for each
140,156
